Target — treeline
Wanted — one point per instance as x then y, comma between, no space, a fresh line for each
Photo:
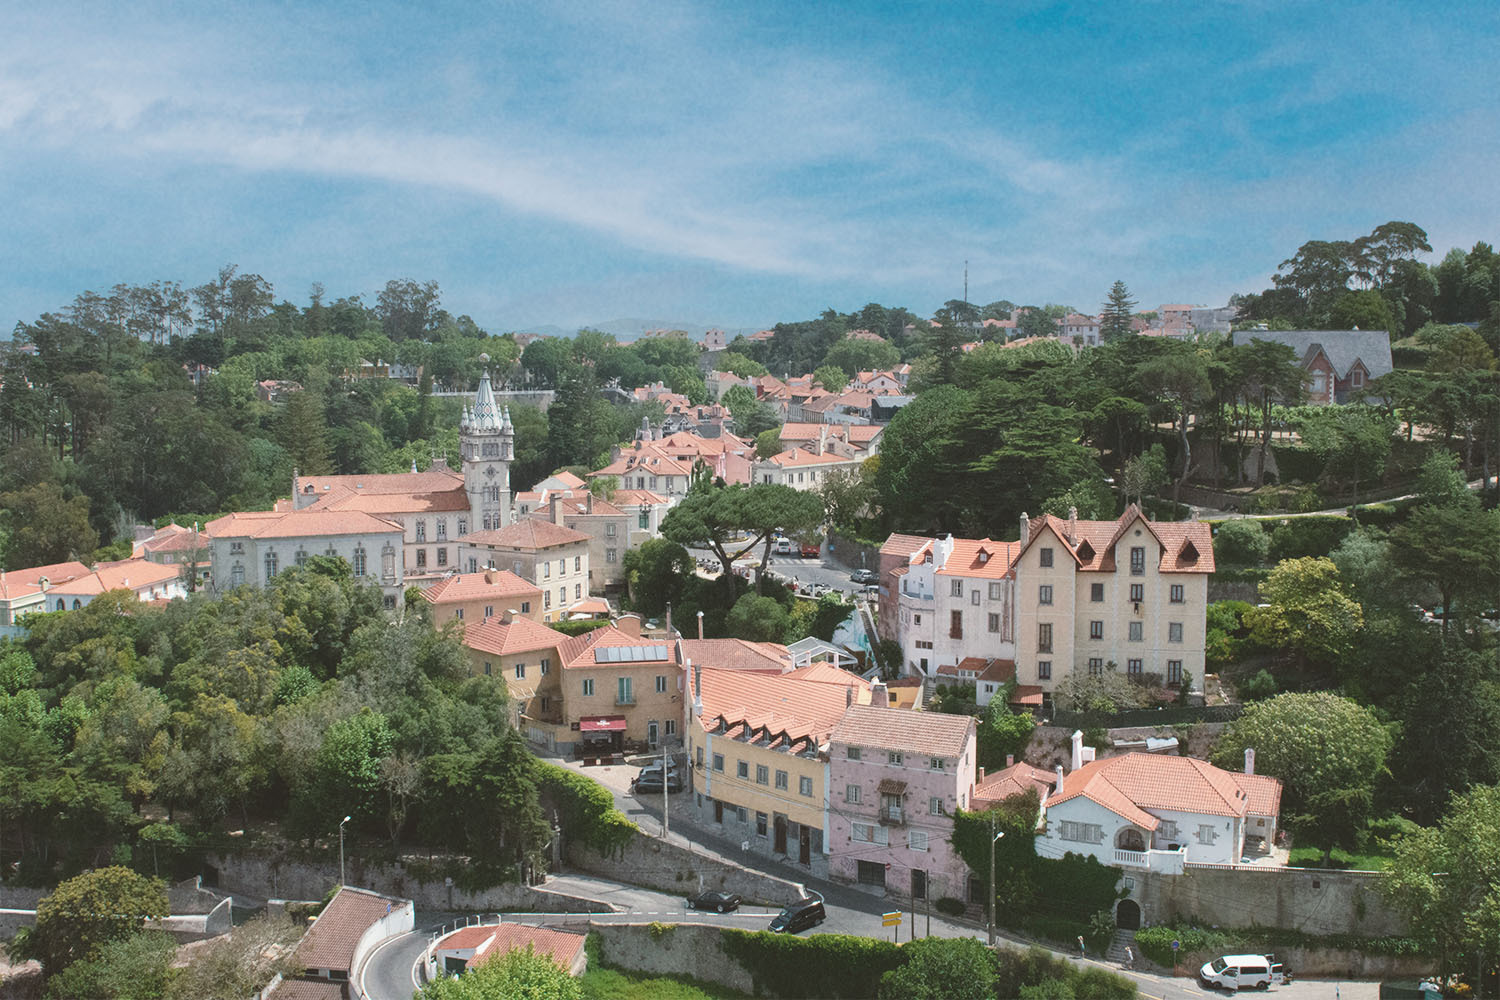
134,732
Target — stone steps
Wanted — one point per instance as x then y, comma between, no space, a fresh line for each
1123,939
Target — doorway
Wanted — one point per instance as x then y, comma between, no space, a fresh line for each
871,873
918,884
804,845
718,812
651,733
780,834
1128,915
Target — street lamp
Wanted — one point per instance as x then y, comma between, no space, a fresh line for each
990,902
347,818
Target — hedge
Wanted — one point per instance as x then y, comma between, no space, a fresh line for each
1298,537
1156,942
586,810
823,965
1297,465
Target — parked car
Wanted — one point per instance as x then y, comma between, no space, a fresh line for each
650,779
1242,972
809,550
715,899
783,546
864,576
799,916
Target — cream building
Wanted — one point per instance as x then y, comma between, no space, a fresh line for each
251,548
474,597
554,557
955,600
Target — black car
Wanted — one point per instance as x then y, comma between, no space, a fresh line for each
650,782
799,916
716,900
864,576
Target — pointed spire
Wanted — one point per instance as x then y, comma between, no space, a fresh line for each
486,415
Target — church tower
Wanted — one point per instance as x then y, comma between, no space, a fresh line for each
488,444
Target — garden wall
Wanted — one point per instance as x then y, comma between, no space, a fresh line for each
1313,901
646,861
1329,962
850,553
663,950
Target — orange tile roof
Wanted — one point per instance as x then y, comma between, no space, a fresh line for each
800,457
329,942
580,652
1013,780
1264,792
23,582
934,734
637,498
527,533
902,545
502,638
495,940
1134,782
431,481
824,673
579,507
307,989
452,499
998,671
305,523
737,654
171,538
132,574
805,712
981,557
495,583
1187,546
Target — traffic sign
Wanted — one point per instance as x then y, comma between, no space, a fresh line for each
892,919
1176,944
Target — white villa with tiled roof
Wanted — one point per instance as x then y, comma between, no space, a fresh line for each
252,547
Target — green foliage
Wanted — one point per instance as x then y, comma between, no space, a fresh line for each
1156,942
758,619
241,963
655,572
1308,612
949,906
1241,542
1258,686
614,984
740,365
89,911
831,377
586,810
134,967
824,965
1307,537
1002,732
942,969
45,526
516,975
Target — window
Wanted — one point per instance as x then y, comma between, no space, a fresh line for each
562,565
421,559
938,764
458,613
643,520
442,557
762,774
577,591
236,548
917,840
804,786
922,644
1133,668
781,780
994,623
742,814
1137,592
1137,560
661,683
624,691
851,794
1044,594
488,667
935,805
719,762
562,596
1083,833
609,530
520,671
700,756
957,588
1137,631
894,757
611,555
1174,671
1096,592
742,769
442,529
463,526
1096,666
1044,556
1176,593
974,597
301,557
994,592
671,725
271,564
869,833
1044,670
1044,637
421,531
588,686
1096,630
852,753
547,570
955,625
760,824
546,599
237,576
525,607
1167,829
1207,834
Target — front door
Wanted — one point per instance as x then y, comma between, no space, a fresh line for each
918,884
651,733
804,845
1128,915
780,834
718,812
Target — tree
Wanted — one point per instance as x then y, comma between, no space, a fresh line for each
46,526
711,517
853,355
516,975
655,574
1328,751
768,443
1308,612
1269,374
1453,549
942,969
845,495
1242,542
303,432
1365,309
1003,733
1114,321
1145,474
738,364
90,910
1180,381
831,377
758,619
135,967
1353,441
241,963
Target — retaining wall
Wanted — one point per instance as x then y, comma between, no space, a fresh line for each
268,876
646,861
692,948
189,896
20,897
1304,899
1329,962
850,553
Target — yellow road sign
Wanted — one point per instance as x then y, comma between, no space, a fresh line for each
892,919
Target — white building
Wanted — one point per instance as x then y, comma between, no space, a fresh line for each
955,601
252,547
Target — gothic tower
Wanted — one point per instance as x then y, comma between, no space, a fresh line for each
488,444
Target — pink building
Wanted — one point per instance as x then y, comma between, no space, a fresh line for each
896,778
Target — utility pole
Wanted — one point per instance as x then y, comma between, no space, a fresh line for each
989,905
966,282
341,850
666,803
927,899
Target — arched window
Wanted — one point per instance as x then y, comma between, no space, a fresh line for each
301,556
77,604
237,576
62,605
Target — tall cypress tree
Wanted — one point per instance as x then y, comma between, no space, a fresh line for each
1114,322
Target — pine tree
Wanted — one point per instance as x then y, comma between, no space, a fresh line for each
1114,322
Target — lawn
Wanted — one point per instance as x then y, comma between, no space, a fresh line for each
1312,857
612,984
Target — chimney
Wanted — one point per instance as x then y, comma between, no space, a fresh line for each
1077,760
1025,528
880,696
1249,760
552,508
981,775
700,624
511,614
630,625
670,633
1010,760
588,502
848,695
697,690
1072,525
489,577
1059,789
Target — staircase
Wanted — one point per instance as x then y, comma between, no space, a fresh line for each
1123,939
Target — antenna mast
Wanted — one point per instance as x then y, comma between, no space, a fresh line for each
966,282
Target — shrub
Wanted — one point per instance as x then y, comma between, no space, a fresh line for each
1260,685
1297,537
950,906
1156,942
824,965
1242,542
586,811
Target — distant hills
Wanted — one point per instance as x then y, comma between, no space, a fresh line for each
629,329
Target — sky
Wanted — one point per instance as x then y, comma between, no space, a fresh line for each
562,163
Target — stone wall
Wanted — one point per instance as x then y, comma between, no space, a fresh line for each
189,896
657,950
1328,962
850,553
1303,899
20,897
274,876
646,861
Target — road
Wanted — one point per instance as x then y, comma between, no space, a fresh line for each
803,572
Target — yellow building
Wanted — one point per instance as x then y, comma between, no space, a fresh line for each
758,746
473,597
524,653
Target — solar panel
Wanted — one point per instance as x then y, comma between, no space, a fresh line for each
630,654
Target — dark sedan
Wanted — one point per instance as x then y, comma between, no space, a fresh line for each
718,901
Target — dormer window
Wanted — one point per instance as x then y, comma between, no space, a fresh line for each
984,556
1085,551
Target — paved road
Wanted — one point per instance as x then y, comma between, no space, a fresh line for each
390,971
804,572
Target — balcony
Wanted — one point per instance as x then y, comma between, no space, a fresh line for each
892,815
625,700
1166,862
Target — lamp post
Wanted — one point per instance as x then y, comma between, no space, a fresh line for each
989,906
341,852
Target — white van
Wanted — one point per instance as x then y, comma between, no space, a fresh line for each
1242,972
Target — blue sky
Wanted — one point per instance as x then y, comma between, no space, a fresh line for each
737,164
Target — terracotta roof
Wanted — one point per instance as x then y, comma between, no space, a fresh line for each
981,557
800,457
1134,782
565,480
902,545
172,538
781,704
329,942
582,651
998,671
1027,694
527,533
1187,546
935,734
1264,792
590,606
737,654
497,636
307,989
578,506
431,481
497,583
450,500
563,947
637,498
132,574
824,673
23,582
305,523
1013,780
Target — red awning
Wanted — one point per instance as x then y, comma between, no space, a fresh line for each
601,724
